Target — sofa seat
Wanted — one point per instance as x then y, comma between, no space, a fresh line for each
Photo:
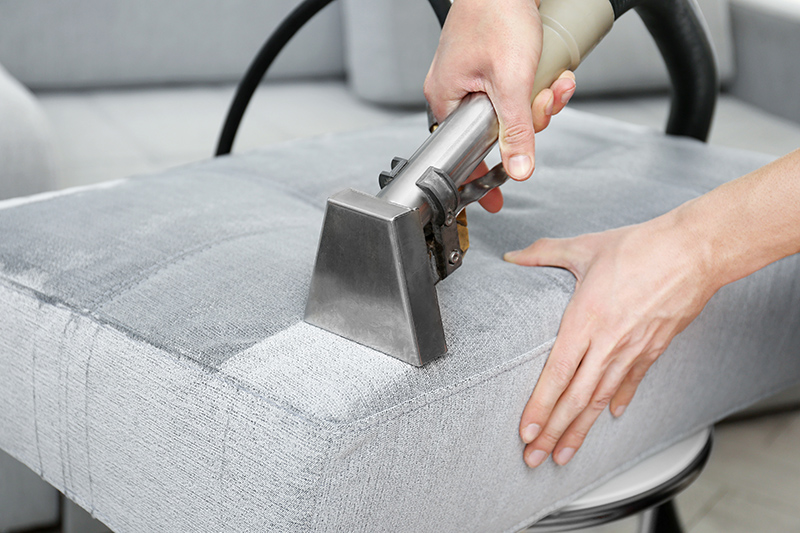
154,365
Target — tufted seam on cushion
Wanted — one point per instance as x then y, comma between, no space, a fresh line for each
376,419
436,395
117,290
287,188
62,478
185,361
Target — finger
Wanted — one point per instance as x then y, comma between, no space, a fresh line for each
563,89
442,100
573,401
479,172
545,252
562,363
493,201
512,104
542,109
442,107
627,389
576,433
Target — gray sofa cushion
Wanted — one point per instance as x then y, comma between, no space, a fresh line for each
104,43
27,147
154,365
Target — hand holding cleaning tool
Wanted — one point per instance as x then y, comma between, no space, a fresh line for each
381,256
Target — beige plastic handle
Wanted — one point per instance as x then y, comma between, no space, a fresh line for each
572,28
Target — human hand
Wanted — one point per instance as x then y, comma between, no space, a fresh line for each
637,287
494,47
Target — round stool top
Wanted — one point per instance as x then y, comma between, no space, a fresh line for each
647,475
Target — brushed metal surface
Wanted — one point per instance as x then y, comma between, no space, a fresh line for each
457,146
373,282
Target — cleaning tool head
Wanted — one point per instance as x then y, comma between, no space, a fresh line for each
373,282
381,256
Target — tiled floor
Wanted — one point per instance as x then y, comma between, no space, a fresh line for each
752,482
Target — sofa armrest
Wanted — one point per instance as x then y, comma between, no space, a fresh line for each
27,146
767,37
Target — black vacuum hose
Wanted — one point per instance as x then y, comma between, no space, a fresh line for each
622,6
258,68
674,25
269,51
681,37
441,8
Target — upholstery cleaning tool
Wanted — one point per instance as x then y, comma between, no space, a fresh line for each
380,256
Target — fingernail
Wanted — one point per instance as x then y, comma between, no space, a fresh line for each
535,458
548,109
509,256
519,167
619,410
567,95
564,456
530,432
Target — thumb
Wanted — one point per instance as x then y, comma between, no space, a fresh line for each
544,252
516,132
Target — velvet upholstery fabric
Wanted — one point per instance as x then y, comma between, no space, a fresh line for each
154,365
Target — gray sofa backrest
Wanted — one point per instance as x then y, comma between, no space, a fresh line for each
28,160
390,44
62,44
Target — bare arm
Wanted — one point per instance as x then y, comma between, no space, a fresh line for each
639,286
750,222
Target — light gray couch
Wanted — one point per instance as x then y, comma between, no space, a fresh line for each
200,49
157,370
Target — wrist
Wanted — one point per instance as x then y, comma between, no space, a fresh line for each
714,227
694,241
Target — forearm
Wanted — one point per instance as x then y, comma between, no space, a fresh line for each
746,224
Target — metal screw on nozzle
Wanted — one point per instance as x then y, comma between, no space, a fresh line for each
455,257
